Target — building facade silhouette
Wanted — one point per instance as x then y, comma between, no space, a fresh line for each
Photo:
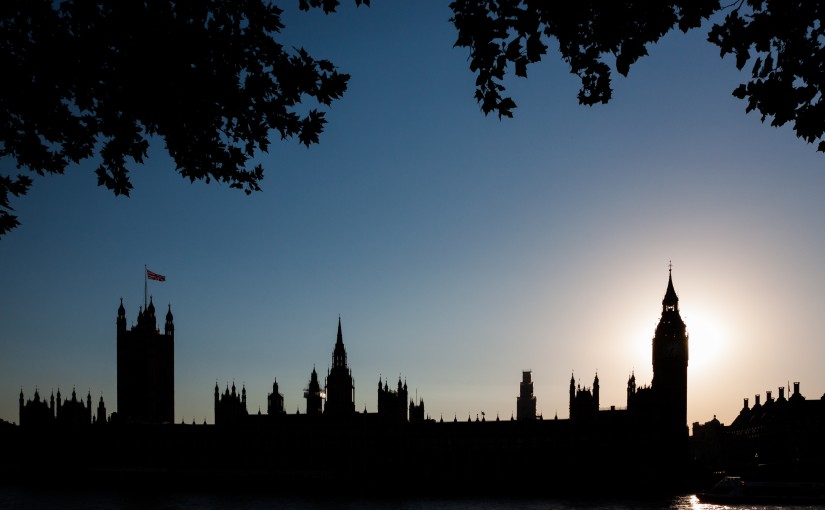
782,437
661,407
584,402
392,403
145,368
230,407
644,441
37,412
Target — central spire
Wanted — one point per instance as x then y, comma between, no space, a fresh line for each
670,303
339,354
339,385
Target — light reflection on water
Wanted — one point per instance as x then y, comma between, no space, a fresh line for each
693,503
30,499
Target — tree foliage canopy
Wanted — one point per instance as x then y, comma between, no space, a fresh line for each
98,78
87,78
784,40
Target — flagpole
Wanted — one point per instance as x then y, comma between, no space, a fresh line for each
144,286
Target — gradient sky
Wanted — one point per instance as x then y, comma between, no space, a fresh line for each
458,249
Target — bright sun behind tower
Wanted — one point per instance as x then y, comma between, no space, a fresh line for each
707,341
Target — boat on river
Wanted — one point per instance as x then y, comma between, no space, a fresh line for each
733,489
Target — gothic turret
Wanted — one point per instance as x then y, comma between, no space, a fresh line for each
121,318
217,396
169,328
596,391
101,411
313,395
275,401
631,390
149,315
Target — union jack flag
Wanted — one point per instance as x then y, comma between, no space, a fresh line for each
154,276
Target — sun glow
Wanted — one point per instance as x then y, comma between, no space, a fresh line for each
707,341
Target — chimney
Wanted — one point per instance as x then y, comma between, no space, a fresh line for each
768,397
781,393
757,398
746,403
796,388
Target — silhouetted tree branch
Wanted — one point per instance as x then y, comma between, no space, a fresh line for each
786,43
505,36
97,78
784,39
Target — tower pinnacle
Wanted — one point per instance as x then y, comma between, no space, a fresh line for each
670,303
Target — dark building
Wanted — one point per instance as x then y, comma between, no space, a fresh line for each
417,411
275,401
101,412
230,408
526,401
36,412
640,399
340,388
661,407
584,402
641,447
706,445
72,412
783,436
145,368
392,404
314,395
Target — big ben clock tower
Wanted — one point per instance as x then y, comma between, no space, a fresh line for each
670,362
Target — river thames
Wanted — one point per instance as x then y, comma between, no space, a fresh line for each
13,498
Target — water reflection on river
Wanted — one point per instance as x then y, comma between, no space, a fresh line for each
30,499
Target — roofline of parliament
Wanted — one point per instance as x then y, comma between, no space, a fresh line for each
144,398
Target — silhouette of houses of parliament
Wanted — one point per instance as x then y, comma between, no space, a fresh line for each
336,402
145,381
664,403
333,445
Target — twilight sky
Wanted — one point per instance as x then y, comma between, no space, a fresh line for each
458,249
